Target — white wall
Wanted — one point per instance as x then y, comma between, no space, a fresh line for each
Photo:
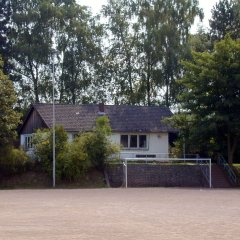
115,138
157,143
70,137
22,140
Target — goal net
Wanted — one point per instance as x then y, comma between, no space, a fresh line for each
157,169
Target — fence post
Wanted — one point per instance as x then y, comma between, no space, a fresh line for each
210,173
126,173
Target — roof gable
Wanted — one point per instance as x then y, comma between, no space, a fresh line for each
31,122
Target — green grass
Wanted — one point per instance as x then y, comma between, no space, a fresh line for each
38,180
236,168
93,179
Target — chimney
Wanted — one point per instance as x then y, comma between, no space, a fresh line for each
101,109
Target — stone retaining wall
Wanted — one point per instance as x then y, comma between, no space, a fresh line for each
147,175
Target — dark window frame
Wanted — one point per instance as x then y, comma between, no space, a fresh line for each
137,143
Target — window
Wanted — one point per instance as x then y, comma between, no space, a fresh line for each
28,142
124,141
142,141
134,141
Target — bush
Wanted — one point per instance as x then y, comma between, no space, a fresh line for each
13,160
97,144
89,150
43,146
73,162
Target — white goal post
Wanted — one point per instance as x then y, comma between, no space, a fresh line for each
204,163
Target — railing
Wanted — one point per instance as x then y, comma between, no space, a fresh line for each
142,154
223,163
147,154
206,169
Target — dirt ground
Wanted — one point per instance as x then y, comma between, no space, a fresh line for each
146,213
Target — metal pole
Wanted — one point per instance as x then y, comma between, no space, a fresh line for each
210,173
53,125
184,148
126,173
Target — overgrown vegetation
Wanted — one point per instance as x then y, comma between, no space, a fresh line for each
210,120
74,159
236,168
9,118
13,161
140,64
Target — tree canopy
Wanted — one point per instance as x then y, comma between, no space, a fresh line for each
9,119
131,54
5,30
59,34
212,93
148,40
134,57
225,19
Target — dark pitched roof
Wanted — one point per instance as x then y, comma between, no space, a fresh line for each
123,118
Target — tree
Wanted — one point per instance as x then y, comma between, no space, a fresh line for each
95,145
121,60
59,34
79,41
9,119
164,41
148,39
200,41
32,40
194,137
212,94
43,148
225,19
5,29
102,146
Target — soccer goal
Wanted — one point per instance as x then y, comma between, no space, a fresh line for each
148,167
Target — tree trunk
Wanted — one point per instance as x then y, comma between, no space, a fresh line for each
167,95
36,93
73,97
232,145
34,79
129,69
148,84
148,92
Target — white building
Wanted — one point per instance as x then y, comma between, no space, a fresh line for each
138,129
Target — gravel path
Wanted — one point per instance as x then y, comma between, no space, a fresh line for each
144,213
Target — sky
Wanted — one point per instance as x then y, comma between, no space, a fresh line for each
207,5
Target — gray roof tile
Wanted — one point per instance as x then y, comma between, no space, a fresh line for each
123,118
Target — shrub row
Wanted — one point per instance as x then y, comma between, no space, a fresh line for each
74,159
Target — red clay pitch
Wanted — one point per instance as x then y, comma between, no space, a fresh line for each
144,213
